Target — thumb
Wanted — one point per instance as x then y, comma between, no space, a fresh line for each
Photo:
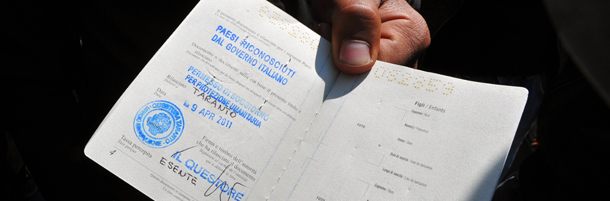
356,34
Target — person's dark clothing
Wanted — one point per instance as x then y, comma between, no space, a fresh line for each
491,38
507,38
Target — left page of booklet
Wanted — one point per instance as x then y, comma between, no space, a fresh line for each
220,107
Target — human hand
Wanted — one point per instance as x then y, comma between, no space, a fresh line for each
363,31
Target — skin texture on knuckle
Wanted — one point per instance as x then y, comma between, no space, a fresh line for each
403,43
359,21
353,25
404,33
360,9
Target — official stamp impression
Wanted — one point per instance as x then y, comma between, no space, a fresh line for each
158,124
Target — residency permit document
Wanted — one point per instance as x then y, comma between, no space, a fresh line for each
243,102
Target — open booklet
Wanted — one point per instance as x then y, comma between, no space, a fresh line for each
243,103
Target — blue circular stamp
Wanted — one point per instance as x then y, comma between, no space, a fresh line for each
159,124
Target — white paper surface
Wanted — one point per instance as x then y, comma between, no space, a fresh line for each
232,107
403,134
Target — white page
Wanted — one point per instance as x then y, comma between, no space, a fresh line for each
402,134
169,102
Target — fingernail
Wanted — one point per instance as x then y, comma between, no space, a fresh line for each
354,52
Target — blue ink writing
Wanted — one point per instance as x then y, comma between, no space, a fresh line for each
215,181
227,33
205,87
158,124
269,65
210,115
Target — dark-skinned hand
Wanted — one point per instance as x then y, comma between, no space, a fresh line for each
363,31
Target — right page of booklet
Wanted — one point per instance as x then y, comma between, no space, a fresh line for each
402,134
